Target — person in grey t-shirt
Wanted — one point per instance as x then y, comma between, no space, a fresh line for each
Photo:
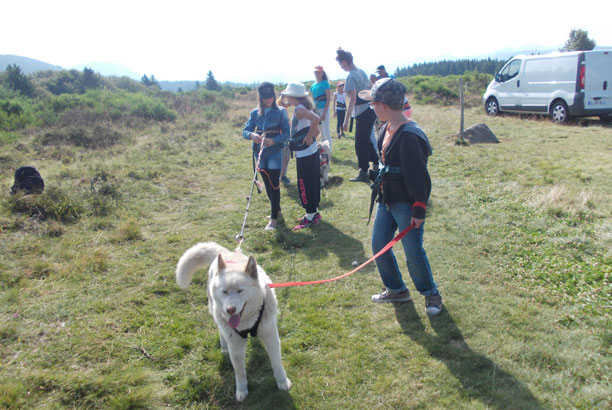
356,81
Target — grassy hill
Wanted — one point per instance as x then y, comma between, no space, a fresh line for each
519,235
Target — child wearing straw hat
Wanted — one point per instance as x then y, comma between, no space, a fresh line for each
305,122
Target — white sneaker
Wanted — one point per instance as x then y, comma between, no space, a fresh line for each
433,304
271,226
386,297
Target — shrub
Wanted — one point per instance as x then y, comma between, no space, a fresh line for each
54,203
98,137
445,90
16,113
129,231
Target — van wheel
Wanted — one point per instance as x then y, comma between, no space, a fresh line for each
607,118
559,112
492,106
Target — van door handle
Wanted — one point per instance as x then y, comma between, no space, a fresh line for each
605,85
518,83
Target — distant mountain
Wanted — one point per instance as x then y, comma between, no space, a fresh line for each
110,69
27,65
174,86
30,65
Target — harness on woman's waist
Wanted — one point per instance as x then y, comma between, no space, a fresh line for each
296,142
375,187
268,132
322,97
361,101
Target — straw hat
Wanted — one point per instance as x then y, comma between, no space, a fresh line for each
295,90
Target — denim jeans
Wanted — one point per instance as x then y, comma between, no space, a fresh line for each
389,219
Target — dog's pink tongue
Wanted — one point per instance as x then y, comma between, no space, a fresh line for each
234,321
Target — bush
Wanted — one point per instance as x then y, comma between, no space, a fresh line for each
98,137
16,113
445,90
54,203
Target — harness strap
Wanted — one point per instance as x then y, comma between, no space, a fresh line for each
253,330
375,187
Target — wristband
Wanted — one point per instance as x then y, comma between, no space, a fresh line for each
420,205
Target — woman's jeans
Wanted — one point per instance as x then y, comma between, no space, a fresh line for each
392,218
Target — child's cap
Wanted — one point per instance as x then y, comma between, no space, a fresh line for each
386,90
266,90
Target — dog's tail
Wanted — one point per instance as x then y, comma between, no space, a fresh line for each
196,257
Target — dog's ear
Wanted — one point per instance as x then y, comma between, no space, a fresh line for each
221,264
251,267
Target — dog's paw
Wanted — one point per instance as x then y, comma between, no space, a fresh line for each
241,394
284,385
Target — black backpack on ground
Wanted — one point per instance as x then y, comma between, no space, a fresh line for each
28,179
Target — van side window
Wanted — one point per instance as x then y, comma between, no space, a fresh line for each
511,70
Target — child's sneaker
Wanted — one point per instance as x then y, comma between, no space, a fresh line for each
279,214
271,226
285,180
387,297
433,304
305,223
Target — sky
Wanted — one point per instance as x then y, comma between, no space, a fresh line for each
283,40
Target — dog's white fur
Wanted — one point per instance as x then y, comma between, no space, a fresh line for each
237,287
324,157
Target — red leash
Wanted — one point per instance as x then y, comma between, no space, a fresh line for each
315,282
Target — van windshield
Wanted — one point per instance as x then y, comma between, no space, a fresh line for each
510,71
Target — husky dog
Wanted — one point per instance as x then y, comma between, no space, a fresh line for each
324,156
240,302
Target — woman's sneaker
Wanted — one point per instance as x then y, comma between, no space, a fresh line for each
433,304
361,177
387,297
305,223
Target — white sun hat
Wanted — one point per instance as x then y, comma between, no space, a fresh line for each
295,90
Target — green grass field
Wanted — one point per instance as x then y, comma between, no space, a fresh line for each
519,235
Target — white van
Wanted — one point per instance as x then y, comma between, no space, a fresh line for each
562,85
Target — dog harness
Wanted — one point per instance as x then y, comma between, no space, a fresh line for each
253,330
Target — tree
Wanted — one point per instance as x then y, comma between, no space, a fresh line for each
578,41
89,79
18,81
149,81
211,83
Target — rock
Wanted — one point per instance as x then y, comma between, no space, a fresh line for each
480,134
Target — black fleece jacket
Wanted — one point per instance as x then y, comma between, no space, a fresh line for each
408,151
